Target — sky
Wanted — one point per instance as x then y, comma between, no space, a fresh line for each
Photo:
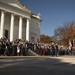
54,13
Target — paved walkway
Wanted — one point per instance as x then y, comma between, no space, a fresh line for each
37,65
69,59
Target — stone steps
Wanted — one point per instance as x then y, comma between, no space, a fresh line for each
31,53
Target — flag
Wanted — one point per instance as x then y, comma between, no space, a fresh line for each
70,44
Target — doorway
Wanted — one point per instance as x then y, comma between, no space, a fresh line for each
6,34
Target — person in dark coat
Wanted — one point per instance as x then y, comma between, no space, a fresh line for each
56,50
3,47
53,49
0,48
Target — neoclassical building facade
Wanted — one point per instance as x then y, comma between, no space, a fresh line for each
18,22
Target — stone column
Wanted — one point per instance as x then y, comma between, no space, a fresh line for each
27,30
20,27
2,24
12,27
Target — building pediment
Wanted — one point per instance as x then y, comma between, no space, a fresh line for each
17,4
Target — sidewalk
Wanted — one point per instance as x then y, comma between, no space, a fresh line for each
38,56
65,59
11,57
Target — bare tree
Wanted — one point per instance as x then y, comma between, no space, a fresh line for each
66,32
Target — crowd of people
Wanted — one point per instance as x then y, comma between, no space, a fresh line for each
20,47
14,48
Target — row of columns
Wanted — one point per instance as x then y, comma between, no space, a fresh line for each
12,27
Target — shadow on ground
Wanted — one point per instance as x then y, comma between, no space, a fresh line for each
38,66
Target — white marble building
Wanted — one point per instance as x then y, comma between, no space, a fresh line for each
18,22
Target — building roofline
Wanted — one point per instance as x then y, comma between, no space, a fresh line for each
23,6
36,16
